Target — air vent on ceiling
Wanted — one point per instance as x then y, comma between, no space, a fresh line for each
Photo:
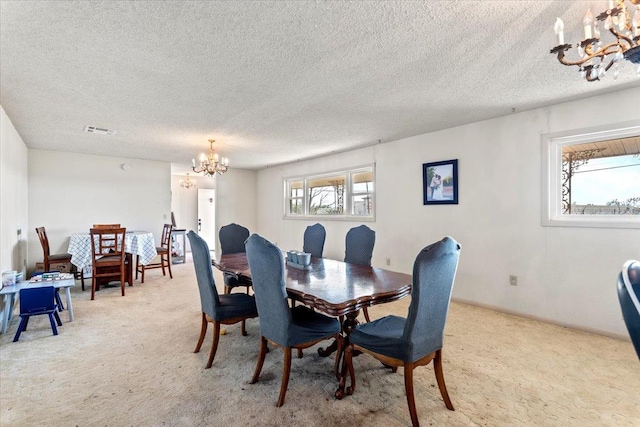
99,131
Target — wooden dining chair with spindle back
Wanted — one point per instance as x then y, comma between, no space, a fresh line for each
164,251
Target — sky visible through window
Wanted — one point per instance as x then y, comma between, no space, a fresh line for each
605,179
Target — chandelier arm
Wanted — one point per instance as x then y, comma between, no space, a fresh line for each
622,37
600,53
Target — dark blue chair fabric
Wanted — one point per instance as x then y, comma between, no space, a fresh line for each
287,327
232,238
218,307
314,237
421,333
35,302
629,296
359,245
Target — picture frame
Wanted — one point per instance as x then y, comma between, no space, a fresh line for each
440,182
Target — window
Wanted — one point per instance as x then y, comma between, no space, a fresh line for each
339,195
593,178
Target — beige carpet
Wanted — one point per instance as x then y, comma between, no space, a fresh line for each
128,361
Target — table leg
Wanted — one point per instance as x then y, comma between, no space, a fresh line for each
69,305
129,267
6,311
350,322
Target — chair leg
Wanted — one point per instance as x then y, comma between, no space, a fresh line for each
203,332
137,265
169,266
286,370
21,327
299,353
122,281
59,300
408,387
244,329
366,314
93,285
53,324
261,356
437,366
58,321
227,290
164,272
82,278
214,344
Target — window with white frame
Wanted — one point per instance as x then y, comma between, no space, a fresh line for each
341,194
593,178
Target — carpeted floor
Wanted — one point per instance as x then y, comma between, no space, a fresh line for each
129,361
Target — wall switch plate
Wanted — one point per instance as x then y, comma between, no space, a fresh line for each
388,261
513,280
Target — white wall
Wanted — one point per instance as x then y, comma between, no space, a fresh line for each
13,197
236,199
69,192
565,275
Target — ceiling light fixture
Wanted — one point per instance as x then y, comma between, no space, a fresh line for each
597,56
187,183
211,164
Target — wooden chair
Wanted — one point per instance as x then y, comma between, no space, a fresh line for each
217,309
107,226
51,259
108,256
164,250
417,339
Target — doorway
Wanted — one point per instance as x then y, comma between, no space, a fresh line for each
207,216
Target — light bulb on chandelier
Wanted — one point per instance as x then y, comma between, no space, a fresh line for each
212,163
595,55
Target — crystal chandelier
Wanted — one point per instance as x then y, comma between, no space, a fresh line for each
187,183
597,55
211,164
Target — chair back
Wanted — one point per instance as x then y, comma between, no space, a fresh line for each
37,300
165,241
106,226
232,238
434,272
44,241
107,241
204,274
629,296
314,237
359,245
267,274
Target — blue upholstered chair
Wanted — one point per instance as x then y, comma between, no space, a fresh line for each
35,302
359,249
217,309
314,237
416,340
629,296
232,238
298,327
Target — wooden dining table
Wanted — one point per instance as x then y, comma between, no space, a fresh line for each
332,287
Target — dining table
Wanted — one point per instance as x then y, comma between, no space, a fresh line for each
140,243
333,287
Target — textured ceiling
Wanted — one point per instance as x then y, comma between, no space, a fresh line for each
274,82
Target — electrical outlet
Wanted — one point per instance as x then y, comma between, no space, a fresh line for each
164,216
388,261
513,280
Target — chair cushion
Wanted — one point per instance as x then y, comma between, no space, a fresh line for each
59,257
383,336
108,260
161,250
236,305
308,325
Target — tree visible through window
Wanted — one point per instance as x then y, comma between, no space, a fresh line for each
601,178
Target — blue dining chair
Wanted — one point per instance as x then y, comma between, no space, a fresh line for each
284,327
416,340
359,249
35,302
314,237
629,296
232,238
225,309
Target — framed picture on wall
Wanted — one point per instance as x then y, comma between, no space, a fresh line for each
440,183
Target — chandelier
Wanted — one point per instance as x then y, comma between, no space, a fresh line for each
596,54
211,164
187,183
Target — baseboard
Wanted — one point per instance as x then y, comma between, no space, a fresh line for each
542,319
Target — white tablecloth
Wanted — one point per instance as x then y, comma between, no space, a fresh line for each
135,242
